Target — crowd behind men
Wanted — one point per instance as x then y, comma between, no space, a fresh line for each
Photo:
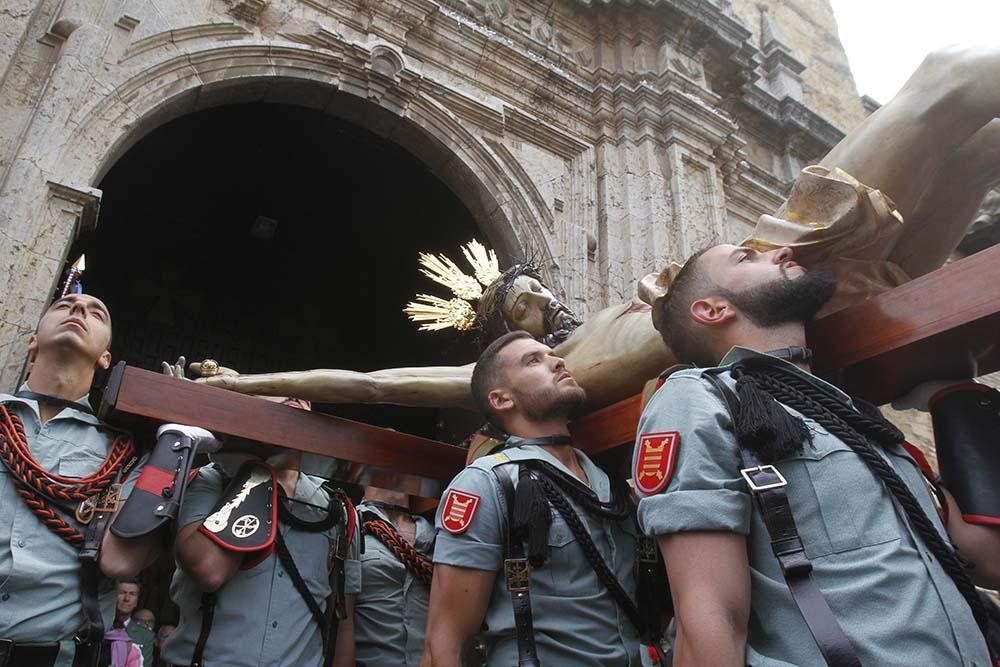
792,521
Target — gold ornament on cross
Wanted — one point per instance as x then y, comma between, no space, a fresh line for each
434,313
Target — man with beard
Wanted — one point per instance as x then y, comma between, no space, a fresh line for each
843,557
530,527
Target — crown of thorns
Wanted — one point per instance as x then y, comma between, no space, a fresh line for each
486,285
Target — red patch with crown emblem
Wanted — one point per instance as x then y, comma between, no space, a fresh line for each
655,462
459,509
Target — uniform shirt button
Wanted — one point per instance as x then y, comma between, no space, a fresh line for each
274,624
5,597
281,574
20,543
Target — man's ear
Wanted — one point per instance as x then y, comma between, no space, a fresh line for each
33,343
501,400
712,311
104,361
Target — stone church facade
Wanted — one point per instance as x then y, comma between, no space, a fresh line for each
602,137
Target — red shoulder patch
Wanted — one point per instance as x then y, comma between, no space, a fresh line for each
459,509
655,461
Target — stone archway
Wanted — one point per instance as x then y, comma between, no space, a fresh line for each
274,237
371,88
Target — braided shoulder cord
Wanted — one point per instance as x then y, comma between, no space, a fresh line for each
41,490
851,427
617,509
593,556
418,564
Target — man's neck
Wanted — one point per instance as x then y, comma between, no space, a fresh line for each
565,454
66,379
773,338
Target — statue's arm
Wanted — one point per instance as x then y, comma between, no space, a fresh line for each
427,386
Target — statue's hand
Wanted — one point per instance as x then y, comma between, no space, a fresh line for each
175,370
211,368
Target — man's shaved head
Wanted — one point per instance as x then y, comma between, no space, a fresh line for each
671,313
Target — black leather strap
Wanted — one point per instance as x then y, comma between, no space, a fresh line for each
285,556
520,597
91,632
54,401
207,615
795,354
768,487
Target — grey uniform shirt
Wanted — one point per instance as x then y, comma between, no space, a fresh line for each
576,620
390,614
260,619
890,595
39,571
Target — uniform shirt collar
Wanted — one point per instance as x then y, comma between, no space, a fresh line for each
598,480
65,413
308,490
737,354
424,530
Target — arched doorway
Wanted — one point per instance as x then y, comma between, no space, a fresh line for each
274,237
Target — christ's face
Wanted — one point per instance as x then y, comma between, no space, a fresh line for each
530,306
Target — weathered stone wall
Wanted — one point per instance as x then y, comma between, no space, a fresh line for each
809,29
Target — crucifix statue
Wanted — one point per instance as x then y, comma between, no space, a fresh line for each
889,203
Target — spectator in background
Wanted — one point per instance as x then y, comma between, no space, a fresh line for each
145,617
141,635
161,636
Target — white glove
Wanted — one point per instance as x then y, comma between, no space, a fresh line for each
203,440
919,397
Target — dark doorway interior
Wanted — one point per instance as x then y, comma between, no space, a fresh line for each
189,259
274,238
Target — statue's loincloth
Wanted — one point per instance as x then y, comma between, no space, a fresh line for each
834,222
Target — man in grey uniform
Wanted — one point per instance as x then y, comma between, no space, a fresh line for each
255,614
390,613
566,613
861,568
49,427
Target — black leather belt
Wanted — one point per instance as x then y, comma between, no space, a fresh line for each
27,654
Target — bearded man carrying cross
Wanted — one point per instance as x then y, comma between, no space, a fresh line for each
539,528
796,525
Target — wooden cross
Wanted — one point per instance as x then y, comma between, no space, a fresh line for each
876,349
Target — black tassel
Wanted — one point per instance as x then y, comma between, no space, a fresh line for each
532,517
764,427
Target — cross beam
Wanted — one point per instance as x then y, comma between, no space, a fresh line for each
877,349
141,400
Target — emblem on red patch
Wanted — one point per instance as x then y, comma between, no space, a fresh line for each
655,462
459,508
